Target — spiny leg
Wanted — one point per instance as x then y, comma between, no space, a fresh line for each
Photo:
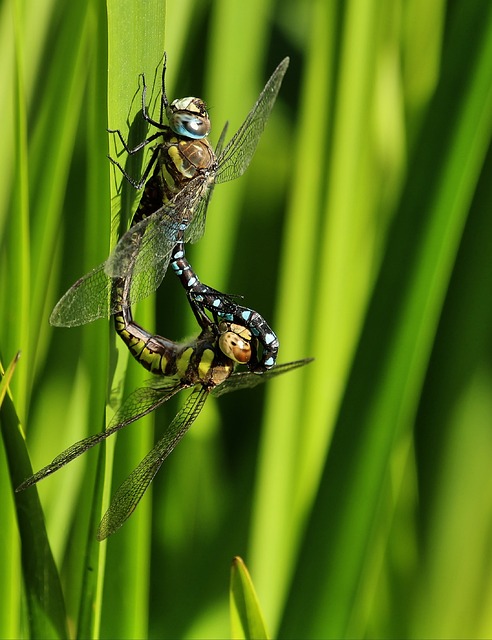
159,125
138,184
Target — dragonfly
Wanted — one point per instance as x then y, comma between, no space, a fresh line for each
205,365
201,297
185,170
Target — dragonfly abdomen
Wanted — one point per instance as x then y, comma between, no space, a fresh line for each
155,353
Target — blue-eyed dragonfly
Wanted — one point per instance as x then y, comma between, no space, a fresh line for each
185,171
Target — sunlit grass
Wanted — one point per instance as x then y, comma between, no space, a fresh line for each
357,493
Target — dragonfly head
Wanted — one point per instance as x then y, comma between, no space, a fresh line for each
189,117
235,342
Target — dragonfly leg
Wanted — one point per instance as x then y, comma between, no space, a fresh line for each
164,100
131,151
145,113
140,183
147,118
222,307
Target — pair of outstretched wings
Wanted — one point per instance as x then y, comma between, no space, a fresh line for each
139,403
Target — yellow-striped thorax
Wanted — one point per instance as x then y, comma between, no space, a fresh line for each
183,160
208,359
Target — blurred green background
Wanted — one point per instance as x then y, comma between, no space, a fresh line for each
358,491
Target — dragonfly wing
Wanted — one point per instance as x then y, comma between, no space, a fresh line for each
86,300
131,491
247,380
91,297
192,207
147,245
196,229
143,251
145,400
235,158
136,247
221,140
138,404
150,264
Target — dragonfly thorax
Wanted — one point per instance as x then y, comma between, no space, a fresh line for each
212,358
189,117
187,158
201,362
213,368
182,160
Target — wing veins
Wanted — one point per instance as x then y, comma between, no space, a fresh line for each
133,488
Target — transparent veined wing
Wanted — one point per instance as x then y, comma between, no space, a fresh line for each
151,240
248,380
138,404
131,491
143,252
87,299
235,158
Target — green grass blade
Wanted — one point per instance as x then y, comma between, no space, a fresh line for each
98,201
454,446
246,617
42,585
232,85
7,376
383,391
19,256
63,95
274,509
374,517
10,586
29,250
135,46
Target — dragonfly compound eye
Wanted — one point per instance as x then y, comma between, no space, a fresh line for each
188,117
235,347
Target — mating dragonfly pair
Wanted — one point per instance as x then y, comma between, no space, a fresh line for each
171,213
